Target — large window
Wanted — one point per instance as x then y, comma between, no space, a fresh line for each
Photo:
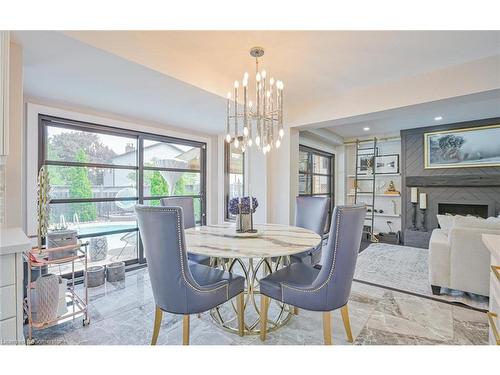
97,175
172,169
234,184
316,176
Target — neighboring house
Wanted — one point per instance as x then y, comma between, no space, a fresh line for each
156,151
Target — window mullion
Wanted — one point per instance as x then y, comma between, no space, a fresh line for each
61,163
140,177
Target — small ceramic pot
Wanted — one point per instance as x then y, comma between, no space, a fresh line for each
95,276
115,272
98,248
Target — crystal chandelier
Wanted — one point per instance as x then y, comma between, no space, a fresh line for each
260,121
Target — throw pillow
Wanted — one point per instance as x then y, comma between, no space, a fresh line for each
445,222
494,221
476,222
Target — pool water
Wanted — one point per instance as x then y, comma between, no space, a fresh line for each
97,228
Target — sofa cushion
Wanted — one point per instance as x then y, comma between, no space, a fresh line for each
445,222
494,220
439,235
476,222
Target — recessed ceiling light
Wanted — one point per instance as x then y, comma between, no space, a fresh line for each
366,129
438,118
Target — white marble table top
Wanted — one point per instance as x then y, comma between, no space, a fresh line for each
272,240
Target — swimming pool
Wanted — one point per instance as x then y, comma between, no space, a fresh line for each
91,229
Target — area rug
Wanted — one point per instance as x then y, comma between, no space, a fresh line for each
406,268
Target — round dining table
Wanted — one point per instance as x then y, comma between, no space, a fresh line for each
252,255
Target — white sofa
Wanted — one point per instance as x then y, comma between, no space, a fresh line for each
458,259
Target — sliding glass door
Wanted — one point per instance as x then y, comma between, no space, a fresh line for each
97,174
172,169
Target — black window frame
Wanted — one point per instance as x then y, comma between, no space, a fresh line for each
309,174
45,121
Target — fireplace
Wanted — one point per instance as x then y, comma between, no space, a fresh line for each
464,209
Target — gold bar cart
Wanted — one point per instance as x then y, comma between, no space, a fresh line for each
78,305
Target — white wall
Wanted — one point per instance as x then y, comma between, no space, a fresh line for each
314,143
34,107
216,197
219,182
340,175
256,181
4,115
14,162
282,179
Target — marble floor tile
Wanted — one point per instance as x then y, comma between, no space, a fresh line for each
132,295
435,316
407,315
469,327
123,314
371,336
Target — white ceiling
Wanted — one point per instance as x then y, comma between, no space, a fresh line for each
311,63
62,69
458,109
180,77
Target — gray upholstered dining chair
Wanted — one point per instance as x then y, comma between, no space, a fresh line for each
326,289
311,213
187,205
181,286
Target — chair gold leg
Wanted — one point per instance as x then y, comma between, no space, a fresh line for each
156,329
295,310
347,324
185,330
327,328
264,305
241,313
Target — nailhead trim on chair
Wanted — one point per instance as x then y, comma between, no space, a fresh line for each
339,211
178,212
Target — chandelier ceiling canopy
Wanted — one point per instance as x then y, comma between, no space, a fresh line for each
257,121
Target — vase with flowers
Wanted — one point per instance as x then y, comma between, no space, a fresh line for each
243,208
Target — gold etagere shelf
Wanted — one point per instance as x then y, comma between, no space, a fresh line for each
369,227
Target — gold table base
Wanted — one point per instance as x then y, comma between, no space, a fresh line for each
279,314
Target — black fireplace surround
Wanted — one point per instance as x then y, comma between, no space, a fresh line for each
462,191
